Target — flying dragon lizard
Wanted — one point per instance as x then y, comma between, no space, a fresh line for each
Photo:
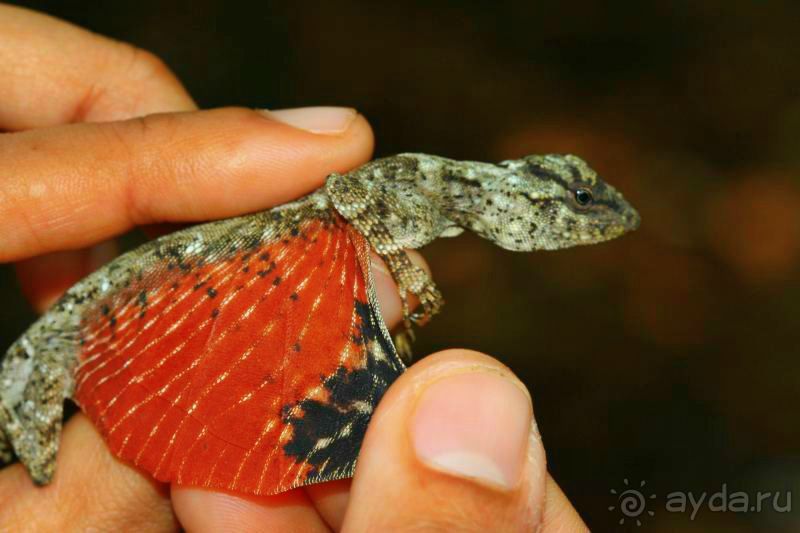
248,354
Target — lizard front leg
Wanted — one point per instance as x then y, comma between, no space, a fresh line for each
386,204
412,280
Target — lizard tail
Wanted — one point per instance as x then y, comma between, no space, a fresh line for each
31,408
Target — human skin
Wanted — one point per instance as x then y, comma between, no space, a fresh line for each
102,138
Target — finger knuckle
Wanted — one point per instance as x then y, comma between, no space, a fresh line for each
139,64
135,144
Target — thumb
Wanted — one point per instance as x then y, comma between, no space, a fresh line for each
456,438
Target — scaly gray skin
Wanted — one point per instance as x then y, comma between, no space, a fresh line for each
397,203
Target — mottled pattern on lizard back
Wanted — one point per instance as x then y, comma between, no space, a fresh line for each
248,354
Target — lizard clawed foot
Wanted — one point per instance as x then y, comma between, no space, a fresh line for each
406,337
431,300
411,279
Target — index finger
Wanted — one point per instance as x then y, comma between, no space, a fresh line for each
55,73
71,186
52,72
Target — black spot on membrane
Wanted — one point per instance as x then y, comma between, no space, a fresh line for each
293,296
175,251
215,312
105,310
212,292
277,281
349,389
296,347
366,329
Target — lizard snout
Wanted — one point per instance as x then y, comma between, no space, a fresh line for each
632,220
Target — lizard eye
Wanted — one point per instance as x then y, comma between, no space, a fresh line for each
583,197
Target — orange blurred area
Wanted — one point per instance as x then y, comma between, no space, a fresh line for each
753,223
671,295
670,355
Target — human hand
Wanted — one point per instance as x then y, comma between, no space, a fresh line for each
67,186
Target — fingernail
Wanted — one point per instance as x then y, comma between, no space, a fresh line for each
474,425
320,120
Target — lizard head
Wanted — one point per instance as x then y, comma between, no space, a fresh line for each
554,201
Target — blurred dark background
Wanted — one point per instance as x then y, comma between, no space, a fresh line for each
668,356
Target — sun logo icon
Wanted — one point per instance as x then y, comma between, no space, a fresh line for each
632,502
